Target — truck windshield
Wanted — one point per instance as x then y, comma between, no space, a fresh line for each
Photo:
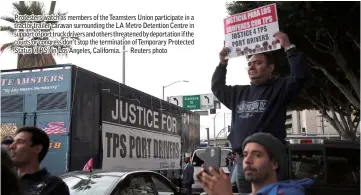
84,185
343,166
307,164
199,154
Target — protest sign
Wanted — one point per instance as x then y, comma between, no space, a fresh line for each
251,32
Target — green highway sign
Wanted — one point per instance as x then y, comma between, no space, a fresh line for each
195,102
192,102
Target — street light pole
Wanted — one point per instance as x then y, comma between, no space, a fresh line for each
124,62
163,92
207,136
185,81
219,134
214,128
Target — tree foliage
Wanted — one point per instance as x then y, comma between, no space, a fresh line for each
328,33
29,8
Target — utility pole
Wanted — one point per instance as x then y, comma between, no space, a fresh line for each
224,120
124,62
299,126
214,130
322,126
163,92
207,136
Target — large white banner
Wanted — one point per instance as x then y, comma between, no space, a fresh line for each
128,148
251,32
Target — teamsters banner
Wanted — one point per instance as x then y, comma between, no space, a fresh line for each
46,81
135,136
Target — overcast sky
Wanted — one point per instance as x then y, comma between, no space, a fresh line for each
147,72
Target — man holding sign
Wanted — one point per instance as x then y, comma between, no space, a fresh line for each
261,106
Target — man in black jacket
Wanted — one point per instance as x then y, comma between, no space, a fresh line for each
30,146
188,179
261,106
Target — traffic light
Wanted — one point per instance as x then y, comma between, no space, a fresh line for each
229,128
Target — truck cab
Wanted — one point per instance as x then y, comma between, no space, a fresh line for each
89,117
41,98
333,164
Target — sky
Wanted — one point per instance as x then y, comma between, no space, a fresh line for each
147,72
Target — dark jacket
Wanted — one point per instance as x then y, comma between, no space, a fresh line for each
43,183
10,182
260,108
294,187
188,174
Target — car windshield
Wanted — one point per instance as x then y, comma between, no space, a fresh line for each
86,185
200,153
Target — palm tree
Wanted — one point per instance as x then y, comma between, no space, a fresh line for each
52,7
29,8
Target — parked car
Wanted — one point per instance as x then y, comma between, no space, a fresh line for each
119,183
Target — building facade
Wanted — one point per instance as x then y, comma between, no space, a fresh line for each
309,122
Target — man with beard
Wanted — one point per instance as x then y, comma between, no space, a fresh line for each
30,147
264,159
262,105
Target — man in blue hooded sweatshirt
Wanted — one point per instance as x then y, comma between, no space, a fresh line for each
261,106
264,160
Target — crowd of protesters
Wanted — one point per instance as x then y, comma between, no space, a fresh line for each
258,160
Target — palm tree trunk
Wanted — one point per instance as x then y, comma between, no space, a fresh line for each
22,4
19,58
52,7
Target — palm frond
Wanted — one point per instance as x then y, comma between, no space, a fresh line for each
61,13
8,19
37,8
36,60
7,28
6,46
30,60
21,9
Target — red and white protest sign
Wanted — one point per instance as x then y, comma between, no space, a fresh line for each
251,32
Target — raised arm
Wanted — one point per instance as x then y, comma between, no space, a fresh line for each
299,73
225,94
299,67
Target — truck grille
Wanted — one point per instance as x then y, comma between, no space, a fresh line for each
52,101
12,103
